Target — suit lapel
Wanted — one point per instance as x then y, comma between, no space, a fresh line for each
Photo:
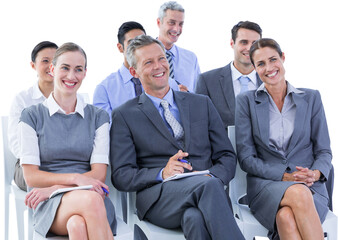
301,109
228,88
183,107
262,114
148,108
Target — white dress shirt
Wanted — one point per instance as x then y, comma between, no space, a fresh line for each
24,99
252,85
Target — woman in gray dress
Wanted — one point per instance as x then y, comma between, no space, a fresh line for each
283,144
65,143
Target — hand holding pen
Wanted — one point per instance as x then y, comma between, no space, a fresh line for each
176,164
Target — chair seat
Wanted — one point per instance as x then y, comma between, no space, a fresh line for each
330,226
248,224
154,232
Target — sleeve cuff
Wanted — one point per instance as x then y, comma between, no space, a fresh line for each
30,160
99,158
159,176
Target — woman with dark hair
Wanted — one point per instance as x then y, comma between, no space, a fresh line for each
64,142
283,144
41,58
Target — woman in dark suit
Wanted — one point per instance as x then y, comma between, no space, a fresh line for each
283,144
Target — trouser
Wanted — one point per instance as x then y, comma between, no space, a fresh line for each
197,204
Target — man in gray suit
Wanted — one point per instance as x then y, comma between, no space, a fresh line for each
151,141
223,84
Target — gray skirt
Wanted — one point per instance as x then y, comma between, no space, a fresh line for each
266,204
44,214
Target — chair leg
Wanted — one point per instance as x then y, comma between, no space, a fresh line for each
30,224
20,218
6,214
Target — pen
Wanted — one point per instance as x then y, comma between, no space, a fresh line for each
105,190
184,161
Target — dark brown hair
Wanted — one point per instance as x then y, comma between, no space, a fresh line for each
262,43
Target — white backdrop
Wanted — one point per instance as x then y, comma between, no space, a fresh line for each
306,31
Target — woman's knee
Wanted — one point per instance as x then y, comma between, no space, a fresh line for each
76,225
285,219
298,195
92,203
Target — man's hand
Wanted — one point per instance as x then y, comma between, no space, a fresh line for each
182,88
174,166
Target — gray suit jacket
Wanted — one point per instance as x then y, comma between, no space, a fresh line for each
309,145
218,85
141,144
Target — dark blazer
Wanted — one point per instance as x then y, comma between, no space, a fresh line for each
141,144
218,85
309,145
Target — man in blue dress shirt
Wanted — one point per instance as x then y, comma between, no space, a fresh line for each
119,86
184,68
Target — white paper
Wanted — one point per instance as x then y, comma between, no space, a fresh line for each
61,190
184,175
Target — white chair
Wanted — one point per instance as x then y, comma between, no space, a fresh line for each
248,224
11,188
152,231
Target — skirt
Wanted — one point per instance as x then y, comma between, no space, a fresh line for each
266,204
44,214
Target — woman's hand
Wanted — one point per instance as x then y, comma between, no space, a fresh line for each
37,195
81,180
305,175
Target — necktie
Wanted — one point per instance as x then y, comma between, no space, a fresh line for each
244,80
137,85
171,66
171,120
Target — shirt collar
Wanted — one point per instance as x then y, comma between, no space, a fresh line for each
290,89
169,97
37,92
173,50
53,107
126,75
237,74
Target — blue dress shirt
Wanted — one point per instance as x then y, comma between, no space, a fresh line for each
169,97
117,89
186,68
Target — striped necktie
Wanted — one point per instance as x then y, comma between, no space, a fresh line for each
173,123
171,63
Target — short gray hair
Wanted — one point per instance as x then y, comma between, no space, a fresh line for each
171,5
139,42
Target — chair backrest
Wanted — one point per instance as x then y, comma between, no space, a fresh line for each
9,159
237,186
115,196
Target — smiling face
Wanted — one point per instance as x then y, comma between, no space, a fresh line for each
42,63
152,69
245,38
69,72
170,27
127,37
269,66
